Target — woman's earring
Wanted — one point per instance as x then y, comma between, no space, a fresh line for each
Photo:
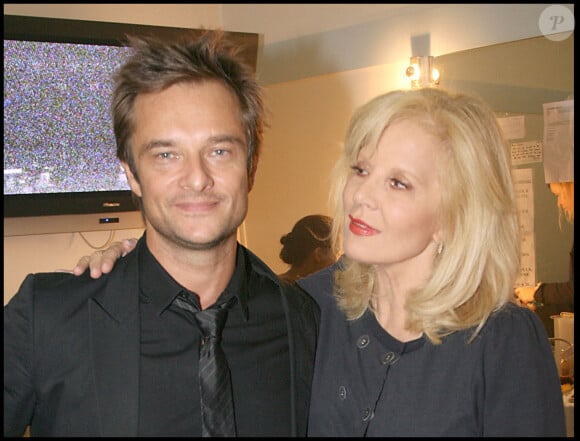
439,248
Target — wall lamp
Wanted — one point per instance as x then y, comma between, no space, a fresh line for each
422,72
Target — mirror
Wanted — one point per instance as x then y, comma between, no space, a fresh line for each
517,78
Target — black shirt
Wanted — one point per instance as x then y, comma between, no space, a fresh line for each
255,341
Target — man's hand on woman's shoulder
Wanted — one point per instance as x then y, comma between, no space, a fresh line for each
102,261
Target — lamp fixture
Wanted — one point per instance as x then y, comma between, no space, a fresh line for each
422,72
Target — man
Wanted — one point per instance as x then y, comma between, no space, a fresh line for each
118,356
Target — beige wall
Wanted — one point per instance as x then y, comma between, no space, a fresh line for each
308,122
308,115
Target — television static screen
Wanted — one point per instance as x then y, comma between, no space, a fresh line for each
58,134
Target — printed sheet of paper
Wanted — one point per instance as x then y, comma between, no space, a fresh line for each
524,190
559,141
512,127
527,276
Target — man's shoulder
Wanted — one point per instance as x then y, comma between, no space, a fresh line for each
257,265
65,287
298,299
55,288
55,281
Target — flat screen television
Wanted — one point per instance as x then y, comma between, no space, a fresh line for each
61,173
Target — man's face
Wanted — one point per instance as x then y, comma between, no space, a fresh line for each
190,150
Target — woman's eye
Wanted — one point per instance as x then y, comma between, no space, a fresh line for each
358,170
398,184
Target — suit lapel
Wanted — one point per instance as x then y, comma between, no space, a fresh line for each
302,337
302,325
115,331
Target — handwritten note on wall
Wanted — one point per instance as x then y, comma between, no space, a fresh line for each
527,152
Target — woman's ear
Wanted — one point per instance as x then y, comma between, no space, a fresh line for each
437,239
317,254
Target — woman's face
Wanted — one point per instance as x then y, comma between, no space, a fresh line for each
392,199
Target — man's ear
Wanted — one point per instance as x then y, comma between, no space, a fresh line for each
251,178
133,183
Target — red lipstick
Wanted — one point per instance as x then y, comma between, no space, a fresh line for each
360,228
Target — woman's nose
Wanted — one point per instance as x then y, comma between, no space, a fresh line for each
365,193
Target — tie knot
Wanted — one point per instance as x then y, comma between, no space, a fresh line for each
211,321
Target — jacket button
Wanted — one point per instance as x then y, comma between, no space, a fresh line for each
363,341
342,393
389,358
367,414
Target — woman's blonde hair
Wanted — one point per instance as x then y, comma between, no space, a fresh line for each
475,272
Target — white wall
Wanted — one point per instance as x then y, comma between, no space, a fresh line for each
308,114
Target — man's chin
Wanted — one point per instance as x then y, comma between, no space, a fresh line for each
207,243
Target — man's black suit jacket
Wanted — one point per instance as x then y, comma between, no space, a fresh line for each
71,352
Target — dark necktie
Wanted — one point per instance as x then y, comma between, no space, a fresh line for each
217,410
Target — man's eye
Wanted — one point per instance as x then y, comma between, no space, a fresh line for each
165,155
220,152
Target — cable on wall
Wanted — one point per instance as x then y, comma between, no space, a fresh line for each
106,244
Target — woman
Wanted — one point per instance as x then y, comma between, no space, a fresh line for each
419,335
308,247
552,298
419,331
